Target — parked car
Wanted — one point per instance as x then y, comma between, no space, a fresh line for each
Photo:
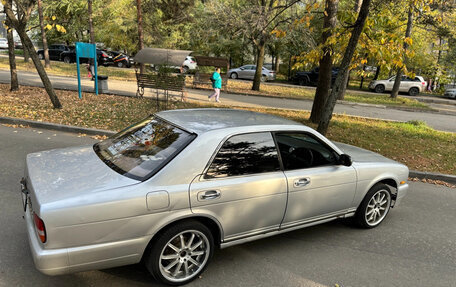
102,57
248,72
450,93
54,51
310,78
189,64
18,44
3,43
408,85
170,189
120,59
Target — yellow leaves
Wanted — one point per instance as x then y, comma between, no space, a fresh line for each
326,13
382,41
3,2
278,33
48,26
363,61
408,40
53,18
60,28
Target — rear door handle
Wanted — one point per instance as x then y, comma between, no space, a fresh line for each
301,182
208,195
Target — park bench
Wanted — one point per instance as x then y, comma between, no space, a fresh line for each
158,82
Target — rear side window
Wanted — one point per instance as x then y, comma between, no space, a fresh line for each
141,150
245,154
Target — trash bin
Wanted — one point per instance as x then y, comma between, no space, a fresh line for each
103,84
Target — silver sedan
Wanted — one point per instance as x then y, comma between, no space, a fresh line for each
170,189
248,72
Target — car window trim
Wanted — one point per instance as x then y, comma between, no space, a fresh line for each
312,136
222,142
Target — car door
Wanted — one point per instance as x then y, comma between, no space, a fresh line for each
242,72
318,187
251,72
390,83
243,187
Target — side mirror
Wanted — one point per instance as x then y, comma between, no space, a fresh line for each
345,159
242,69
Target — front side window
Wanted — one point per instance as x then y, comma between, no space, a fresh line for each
245,154
301,150
142,149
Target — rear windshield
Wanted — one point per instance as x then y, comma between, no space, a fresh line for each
143,149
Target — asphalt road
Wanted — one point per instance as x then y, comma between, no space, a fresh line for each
437,121
415,246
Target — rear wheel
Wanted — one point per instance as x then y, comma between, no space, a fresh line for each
263,78
181,253
67,60
120,64
414,91
41,56
304,81
379,88
374,207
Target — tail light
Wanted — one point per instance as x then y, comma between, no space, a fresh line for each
104,55
39,227
423,83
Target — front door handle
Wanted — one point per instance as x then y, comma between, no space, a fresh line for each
208,195
301,182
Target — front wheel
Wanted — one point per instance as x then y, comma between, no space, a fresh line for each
304,81
181,253
234,76
414,91
379,89
120,64
67,60
374,207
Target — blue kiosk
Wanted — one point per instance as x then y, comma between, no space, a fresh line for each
86,50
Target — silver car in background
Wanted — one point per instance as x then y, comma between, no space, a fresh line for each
248,72
170,189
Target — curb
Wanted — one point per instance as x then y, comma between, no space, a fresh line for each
57,127
89,131
434,176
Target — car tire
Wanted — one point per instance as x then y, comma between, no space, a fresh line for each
120,64
67,59
379,89
304,81
173,254
264,78
413,91
374,207
234,76
41,56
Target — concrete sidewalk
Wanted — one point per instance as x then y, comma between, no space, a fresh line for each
440,121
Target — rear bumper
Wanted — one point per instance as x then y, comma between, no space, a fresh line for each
401,192
82,258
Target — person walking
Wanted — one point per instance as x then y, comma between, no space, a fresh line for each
216,80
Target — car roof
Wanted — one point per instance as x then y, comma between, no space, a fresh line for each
203,120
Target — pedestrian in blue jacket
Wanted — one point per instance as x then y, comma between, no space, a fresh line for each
216,84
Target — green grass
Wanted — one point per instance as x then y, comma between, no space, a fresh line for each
414,144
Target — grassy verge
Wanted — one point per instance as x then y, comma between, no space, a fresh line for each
414,144
291,92
62,69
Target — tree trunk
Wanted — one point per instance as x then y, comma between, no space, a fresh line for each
140,31
342,75
408,32
377,73
26,53
28,45
325,72
12,60
259,66
47,62
92,35
358,4
277,64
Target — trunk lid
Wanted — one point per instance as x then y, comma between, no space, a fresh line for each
70,172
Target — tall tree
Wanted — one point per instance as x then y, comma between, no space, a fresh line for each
140,30
47,62
342,75
11,55
92,34
19,23
326,61
408,33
